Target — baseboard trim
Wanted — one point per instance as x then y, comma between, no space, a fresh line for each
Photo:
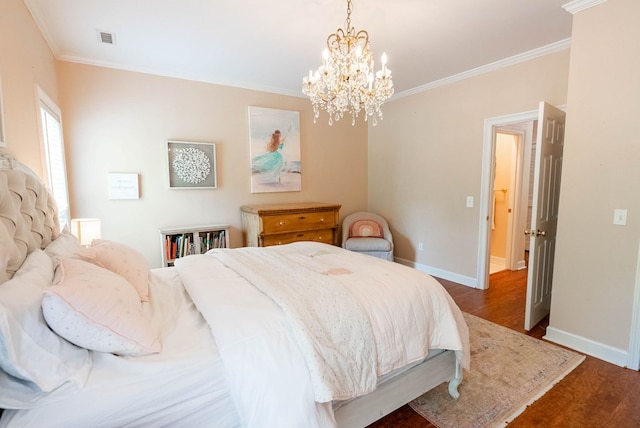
449,276
497,260
598,350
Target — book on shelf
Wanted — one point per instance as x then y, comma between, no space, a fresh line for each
211,240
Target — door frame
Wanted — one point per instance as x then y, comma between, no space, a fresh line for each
486,187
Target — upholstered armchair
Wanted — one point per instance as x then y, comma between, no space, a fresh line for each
367,233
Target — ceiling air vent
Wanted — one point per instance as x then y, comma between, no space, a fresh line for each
106,37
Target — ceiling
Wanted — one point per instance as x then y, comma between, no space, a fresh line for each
270,45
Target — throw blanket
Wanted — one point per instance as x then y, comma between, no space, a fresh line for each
328,323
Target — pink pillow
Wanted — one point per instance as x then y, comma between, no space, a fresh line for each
123,260
96,309
366,229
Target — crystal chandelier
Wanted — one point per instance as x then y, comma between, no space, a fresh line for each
345,82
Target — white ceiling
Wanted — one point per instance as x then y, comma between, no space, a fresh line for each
270,45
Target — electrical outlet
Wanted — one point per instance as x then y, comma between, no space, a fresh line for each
420,246
469,201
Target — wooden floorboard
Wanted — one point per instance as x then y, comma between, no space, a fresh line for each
595,394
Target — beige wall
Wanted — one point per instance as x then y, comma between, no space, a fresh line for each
25,61
595,260
425,158
119,121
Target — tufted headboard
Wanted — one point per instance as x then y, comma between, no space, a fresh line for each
28,214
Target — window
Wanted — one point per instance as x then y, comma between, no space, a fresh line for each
53,148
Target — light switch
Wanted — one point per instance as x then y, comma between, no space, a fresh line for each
469,201
620,217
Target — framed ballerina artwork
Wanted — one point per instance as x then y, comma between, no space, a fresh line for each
274,138
191,165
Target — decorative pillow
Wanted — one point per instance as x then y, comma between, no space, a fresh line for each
99,310
65,245
366,229
34,360
123,260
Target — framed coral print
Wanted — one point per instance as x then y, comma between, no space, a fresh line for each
191,165
274,138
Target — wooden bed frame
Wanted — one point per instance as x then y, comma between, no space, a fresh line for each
392,393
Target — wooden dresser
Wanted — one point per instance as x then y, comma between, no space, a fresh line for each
277,224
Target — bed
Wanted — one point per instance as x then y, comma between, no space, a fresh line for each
304,334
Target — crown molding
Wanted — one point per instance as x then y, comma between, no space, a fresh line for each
516,59
576,6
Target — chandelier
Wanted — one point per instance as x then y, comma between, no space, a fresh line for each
346,82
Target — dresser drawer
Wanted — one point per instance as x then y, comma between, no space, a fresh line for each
299,221
277,224
325,235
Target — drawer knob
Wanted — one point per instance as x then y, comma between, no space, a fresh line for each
322,219
282,223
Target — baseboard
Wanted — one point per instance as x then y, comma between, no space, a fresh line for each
449,276
497,260
598,350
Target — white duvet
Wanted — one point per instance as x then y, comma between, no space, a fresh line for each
270,373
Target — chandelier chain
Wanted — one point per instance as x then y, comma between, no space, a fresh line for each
348,22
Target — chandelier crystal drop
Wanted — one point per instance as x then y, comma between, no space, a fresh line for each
346,81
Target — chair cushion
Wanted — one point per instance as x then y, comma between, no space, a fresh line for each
366,229
367,244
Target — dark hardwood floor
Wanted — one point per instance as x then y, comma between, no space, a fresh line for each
595,394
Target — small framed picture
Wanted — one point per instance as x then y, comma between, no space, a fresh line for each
191,165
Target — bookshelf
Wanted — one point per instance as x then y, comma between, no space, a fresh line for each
182,241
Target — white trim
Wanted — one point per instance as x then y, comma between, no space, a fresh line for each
576,6
498,260
590,347
488,68
633,360
439,273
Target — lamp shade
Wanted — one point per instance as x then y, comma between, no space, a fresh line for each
85,229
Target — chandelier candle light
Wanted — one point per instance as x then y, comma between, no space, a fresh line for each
345,82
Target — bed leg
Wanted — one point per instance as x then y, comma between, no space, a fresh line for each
455,382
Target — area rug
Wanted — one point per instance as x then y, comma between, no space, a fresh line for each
509,371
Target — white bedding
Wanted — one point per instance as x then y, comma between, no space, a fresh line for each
253,374
267,374
179,387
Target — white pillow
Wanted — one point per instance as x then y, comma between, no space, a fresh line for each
34,359
123,260
65,245
99,310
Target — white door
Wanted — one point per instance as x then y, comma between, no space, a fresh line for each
544,219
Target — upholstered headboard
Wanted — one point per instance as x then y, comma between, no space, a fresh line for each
28,214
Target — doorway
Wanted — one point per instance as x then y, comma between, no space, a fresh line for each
520,128
512,196
546,190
